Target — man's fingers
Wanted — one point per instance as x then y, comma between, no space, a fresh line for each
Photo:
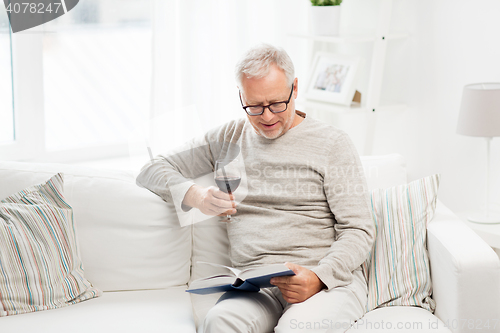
214,202
223,209
223,204
290,297
221,199
292,300
279,280
290,292
287,280
221,195
213,210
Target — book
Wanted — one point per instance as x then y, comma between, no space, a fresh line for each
250,279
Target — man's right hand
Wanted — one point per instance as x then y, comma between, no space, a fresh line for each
210,200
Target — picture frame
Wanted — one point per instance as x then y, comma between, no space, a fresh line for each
333,78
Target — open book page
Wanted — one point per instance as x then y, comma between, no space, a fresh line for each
262,271
235,271
253,271
212,281
250,279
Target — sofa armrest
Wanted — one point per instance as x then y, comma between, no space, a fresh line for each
465,275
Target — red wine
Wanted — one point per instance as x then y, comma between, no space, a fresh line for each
228,184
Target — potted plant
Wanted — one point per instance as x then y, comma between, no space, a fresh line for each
325,17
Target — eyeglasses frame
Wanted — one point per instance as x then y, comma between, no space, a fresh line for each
266,106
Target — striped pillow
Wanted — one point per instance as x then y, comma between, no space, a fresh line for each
40,268
397,268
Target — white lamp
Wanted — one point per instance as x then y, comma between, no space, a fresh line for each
480,116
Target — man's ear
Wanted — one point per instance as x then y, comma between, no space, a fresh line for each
295,88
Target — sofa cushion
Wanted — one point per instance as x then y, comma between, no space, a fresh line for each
397,268
407,319
129,238
151,311
39,261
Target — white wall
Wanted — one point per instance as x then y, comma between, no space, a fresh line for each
452,43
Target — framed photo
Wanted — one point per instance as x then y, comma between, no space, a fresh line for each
333,78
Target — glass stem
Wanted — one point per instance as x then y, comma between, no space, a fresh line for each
229,216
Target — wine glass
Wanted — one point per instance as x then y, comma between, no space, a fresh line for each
227,176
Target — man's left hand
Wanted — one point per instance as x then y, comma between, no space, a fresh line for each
299,287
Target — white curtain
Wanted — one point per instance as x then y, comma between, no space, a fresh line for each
196,45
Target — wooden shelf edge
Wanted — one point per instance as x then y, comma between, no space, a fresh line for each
355,108
337,39
346,39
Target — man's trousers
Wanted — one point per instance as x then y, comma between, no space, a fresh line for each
266,311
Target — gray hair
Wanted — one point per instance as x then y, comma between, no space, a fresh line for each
257,62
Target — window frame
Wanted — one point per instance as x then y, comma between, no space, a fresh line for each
29,112
27,88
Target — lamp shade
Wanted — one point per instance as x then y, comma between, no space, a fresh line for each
480,110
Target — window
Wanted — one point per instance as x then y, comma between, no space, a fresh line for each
96,73
7,133
80,83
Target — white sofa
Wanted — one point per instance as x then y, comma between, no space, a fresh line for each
134,250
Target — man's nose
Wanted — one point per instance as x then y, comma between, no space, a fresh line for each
267,115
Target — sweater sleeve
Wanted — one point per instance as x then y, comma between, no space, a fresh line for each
171,175
354,231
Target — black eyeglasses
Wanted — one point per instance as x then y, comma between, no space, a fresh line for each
257,110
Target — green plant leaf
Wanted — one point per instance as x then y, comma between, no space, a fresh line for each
326,2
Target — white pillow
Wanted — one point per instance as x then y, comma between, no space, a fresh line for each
39,261
397,268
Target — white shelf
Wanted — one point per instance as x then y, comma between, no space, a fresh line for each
346,39
304,105
364,113
355,108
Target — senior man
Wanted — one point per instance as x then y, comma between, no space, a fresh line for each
306,205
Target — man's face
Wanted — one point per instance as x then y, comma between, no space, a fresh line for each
267,90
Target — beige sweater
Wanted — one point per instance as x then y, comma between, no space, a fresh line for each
303,195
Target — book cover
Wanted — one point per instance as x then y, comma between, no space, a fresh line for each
251,279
